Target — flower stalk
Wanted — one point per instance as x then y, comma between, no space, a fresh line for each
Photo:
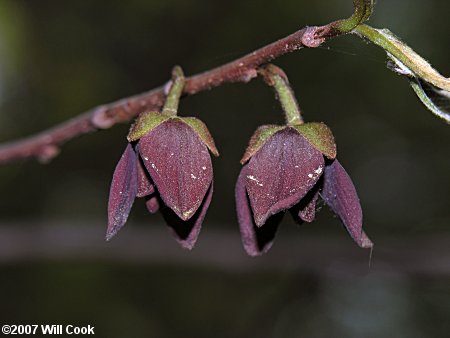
276,78
176,89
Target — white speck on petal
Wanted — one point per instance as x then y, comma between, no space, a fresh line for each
318,171
193,176
253,178
146,158
204,168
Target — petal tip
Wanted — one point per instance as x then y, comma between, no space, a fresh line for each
259,220
187,245
214,150
184,215
110,234
254,253
365,242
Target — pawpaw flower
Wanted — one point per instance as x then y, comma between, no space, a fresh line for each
169,164
290,167
166,162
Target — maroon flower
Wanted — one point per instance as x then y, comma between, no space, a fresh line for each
168,163
287,169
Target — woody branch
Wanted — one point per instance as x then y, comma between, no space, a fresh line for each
46,144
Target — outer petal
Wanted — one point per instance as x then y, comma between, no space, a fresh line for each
179,165
122,192
281,173
340,194
186,232
256,241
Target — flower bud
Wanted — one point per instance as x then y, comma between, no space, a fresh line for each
290,167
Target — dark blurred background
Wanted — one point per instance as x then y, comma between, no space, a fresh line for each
60,58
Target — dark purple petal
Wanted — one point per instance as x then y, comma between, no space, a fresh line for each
308,213
152,205
281,173
186,232
245,218
122,192
179,165
256,240
340,195
145,186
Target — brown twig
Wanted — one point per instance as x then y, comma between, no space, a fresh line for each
45,145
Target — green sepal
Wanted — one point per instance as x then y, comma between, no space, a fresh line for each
320,136
145,123
260,136
202,131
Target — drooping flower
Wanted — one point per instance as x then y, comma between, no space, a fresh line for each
166,162
289,167
169,164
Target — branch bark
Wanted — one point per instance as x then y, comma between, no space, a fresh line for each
46,145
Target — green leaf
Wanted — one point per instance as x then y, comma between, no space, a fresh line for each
320,136
402,54
145,123
436,100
